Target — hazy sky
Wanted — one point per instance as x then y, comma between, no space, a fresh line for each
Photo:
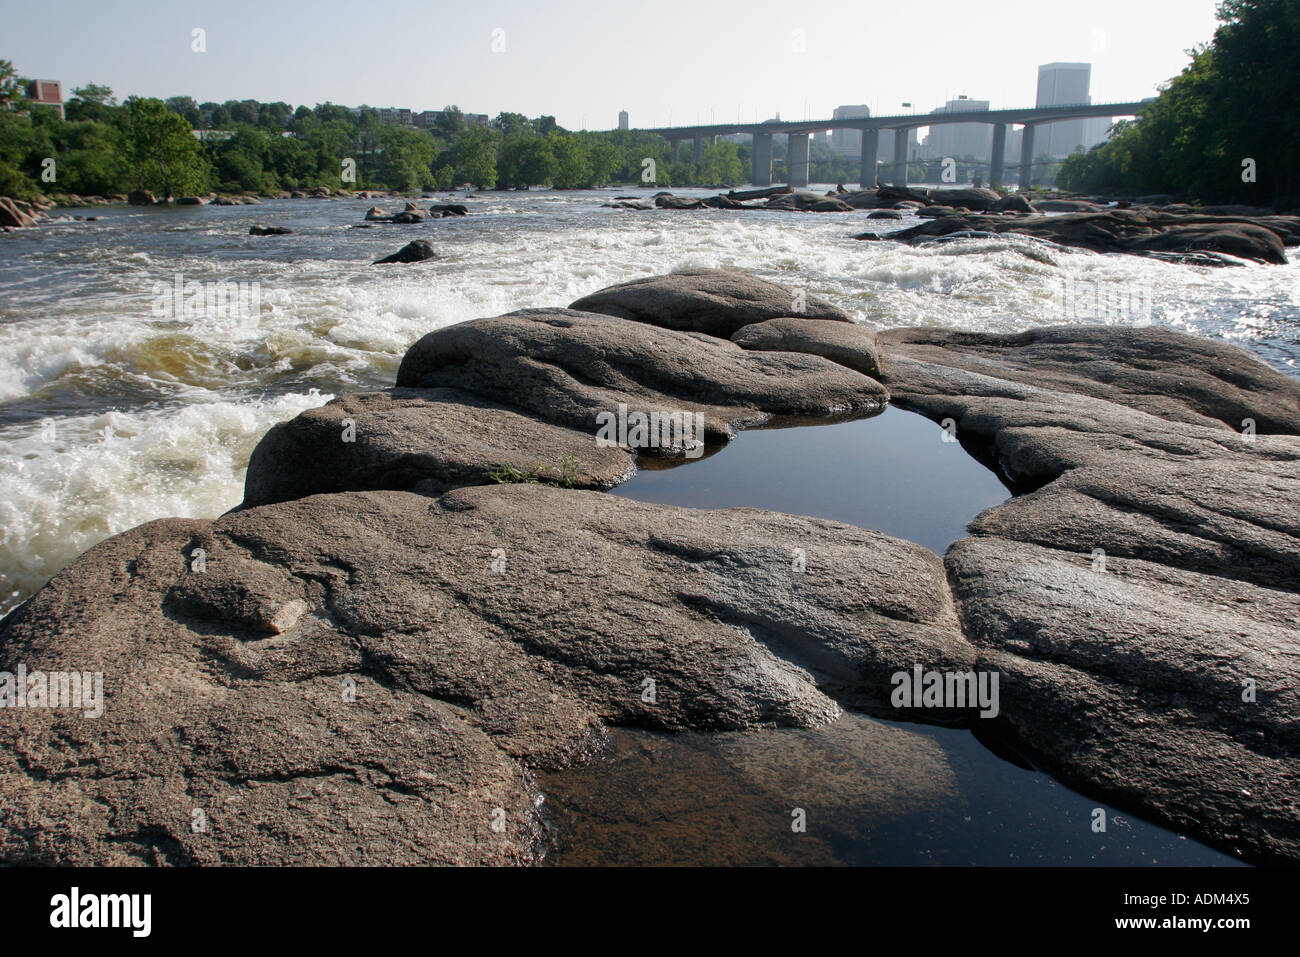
584,60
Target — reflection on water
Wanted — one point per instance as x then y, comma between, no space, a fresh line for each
871,791
891,473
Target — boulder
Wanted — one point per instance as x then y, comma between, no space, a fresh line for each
425,440
885,214
860,199
568,367
375,214
413,252
268,231
141,197
669,201
449,209
849,344
973,198
713,301
1014,203
371,678
191,201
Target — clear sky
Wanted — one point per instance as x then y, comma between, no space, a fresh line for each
684,61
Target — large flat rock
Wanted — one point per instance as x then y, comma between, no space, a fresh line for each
714,301
488,632
429,440
1169,374
568,367
849,344
1151,571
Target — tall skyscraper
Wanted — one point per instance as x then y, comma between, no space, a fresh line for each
1066,84
622,119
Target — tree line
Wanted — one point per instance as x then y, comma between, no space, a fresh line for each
1225,130
102,147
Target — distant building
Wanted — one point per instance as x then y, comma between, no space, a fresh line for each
622,119
428,119
46,93
1066,84
959,140
396,116
848,142
204,136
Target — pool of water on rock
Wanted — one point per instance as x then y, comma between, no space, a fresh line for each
872,791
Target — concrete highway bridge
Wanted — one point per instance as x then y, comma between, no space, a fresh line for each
896,172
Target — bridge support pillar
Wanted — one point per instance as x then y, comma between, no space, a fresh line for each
762,160
899,171
699,151
1027,156
998,160
797,159
870,150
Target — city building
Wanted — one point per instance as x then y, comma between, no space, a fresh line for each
959,140
622,119
848,142
46,93
1067,84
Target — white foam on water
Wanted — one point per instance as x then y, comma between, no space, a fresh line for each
67,484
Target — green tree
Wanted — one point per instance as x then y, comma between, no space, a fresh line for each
573,168
407,158
13,88
474,157
89,158
449,121
161,153
720,164
526,161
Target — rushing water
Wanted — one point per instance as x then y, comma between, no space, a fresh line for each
112,415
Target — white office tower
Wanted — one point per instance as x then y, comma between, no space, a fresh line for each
1066,84
960,140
